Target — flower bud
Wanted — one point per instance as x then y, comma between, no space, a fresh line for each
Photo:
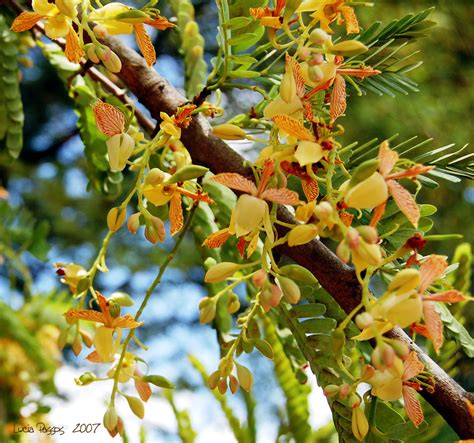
367,372
348,48
86,379
228,131
100,31
110,59
259,278
207,310
245,377
270,297
352,238
324,211
298,273
116,218
110,418
303,53
121,299
62,338
360,424
222,385
405,281
343,252
401,349
302,234
221,271
344,390
233,384
136,405
119,149
155,177
316,59
154,230
331,391
91,53
315,74
318,36
188,172
133,223
290,289
368,233
364,320
233,304
213,379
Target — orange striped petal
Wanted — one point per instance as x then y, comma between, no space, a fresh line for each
379,211
94,357
359,72
85,314
346,218
126,321
434,324
73,50
26,20
108,118
145,44
412,366
412,406
293,127
417,328
310,188
452,296
160,23
282,196
352,25
235,181
411,172
217,239
387,158
405,202
430,270
176,214
338,97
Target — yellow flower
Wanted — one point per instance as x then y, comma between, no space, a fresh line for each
252,209
327,11
104,342
127,368
106,16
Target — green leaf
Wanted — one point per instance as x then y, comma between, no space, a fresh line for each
406,430
237,22
242,73
456,330
264,347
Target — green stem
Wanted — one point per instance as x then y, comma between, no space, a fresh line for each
148,294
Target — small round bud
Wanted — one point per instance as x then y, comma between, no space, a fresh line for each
318,36
364,320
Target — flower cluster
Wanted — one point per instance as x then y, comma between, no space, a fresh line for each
61,20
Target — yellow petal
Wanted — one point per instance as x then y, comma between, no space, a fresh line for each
44,7
105,16
308,153
57,26
159,195
249,213
368,194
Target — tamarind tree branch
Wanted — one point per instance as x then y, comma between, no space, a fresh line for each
157,95
338,279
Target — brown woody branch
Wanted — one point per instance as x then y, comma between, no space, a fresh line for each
157,95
